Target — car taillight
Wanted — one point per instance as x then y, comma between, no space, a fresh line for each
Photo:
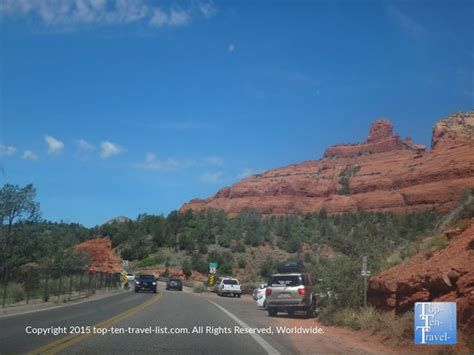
302,291
268,291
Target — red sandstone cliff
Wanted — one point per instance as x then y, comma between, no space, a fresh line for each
383,173
446,276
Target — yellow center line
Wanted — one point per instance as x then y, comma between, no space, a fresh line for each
63,343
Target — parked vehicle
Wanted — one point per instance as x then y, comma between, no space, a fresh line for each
258,291
290,291
174,284
229,286
262,298
146,283
130,277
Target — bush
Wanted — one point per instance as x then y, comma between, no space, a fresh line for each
199,288
242,263
148,261
186,268
15,293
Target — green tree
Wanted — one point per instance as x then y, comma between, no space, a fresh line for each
17,204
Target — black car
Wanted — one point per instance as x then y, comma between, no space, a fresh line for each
174,284
145,283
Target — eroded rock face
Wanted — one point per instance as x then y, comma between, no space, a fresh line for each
103,256
447,276
383,173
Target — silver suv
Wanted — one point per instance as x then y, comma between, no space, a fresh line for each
290,292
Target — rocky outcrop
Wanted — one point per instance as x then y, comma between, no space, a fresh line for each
380,140
383,173
446,276
102,255
456,130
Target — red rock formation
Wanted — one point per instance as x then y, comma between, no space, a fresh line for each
448,275
103,256
384,173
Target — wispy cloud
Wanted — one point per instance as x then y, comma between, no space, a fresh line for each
231,48
207,9
212,178
84,145
71,14
109,149
413,28
7,150
54,145
29,155
171,164
245,173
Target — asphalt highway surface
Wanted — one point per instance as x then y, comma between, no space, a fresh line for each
170,322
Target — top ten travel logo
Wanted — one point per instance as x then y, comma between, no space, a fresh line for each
435,323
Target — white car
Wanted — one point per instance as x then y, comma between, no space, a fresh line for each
261,297
130,277
261,288
229,286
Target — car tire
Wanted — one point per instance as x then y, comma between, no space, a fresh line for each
154,291
136,291
265,304
272,312
311,311
238,295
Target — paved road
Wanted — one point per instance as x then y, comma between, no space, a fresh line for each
177,311
178,322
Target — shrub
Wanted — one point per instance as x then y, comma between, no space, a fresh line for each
15,293
199,288
186,267
242,263
148,261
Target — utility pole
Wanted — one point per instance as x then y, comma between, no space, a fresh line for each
365,273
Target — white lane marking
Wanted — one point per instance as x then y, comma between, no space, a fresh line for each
262,342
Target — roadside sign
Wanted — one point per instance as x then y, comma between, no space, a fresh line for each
123,278
212,268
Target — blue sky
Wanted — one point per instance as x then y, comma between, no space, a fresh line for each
125,107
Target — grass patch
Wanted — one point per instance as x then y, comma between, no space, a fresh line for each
199,288
396,330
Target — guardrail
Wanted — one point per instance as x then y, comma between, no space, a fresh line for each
30,284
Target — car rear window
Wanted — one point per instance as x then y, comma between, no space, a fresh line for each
230,282
146,277
285,280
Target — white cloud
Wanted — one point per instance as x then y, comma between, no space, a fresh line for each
7,150
212,178
54,145
29,155
109,149
231,48
85,145
207,9
70,14
413,28
214,160
170,164
174,18
244,173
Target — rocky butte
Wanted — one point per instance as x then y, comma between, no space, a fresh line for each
383,173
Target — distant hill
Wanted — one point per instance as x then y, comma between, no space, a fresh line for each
118,220
383,173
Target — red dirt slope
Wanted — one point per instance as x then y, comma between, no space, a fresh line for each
103,256
448,275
